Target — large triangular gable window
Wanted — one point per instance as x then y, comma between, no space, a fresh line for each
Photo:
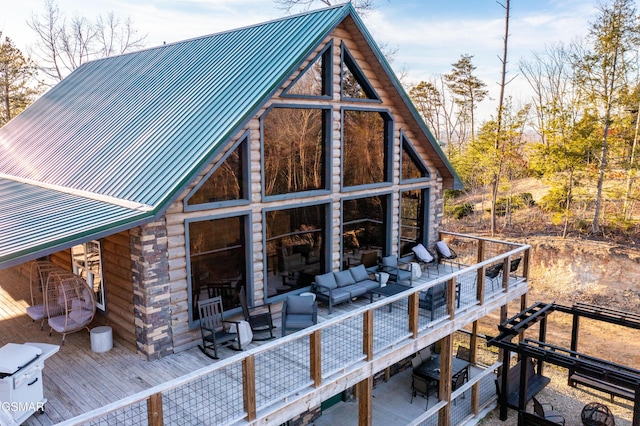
315,80
354,83
412,166
226,183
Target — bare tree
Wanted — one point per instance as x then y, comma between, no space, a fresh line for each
362,6
64,44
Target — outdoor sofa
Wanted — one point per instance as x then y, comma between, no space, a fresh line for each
334,288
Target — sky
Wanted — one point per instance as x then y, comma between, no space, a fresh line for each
428,35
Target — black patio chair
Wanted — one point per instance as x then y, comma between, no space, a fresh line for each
446,254
259,320
216,331
420,386
546,411
493,272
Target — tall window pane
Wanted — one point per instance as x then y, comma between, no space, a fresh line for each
364,226
294,150
226,182
364,148
217,256
295,248
411,220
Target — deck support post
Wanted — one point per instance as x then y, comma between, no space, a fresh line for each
316,357
249,386
364,391
446,360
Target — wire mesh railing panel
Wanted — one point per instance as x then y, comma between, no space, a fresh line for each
466,290
215,398
461,408
342,345
282,371
390,324
487,390
134,414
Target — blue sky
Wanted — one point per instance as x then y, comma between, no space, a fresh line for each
429,35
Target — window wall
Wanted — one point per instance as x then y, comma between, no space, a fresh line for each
296,247
364,226
217,259
413,219
365,150
295,146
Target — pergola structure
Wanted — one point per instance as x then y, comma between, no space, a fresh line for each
597,369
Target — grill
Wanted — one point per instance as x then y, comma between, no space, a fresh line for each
21,388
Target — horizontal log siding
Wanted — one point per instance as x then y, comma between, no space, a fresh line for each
116,266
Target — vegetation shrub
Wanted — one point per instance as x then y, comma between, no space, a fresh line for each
514,202
555,200
460,210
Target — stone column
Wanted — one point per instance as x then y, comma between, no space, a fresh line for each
151,290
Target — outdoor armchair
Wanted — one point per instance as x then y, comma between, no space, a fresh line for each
299,312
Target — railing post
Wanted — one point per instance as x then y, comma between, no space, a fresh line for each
480,250
451,297
154,410
505,272
414,301
249,386
480,288
367,336
316,357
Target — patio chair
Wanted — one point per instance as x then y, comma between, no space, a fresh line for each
420,386
513,267
40,270
214,329
70,304
299,312
459,380
425,258
434,298
398,270
546,411
493,272
259,320
463,353
368,258
446,254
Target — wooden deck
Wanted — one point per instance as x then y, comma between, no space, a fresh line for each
77,380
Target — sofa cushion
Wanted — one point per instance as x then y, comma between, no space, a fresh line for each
369,284
327,280
344,278
356,290
359,273
340,295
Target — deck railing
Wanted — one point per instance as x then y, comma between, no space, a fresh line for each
284,377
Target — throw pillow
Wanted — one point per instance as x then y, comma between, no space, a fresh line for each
359,273
390,260
422,253
344,278
444,248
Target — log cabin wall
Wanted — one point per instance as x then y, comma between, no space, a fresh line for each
183,335
117,275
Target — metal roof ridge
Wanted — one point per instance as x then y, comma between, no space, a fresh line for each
85,194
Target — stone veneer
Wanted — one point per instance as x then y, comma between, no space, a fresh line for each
151,290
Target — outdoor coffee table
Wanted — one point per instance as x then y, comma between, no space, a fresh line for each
390,290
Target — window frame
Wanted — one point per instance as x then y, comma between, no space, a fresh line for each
326,55
388,213
248,252
327,235
411,152
246,176
426,191
327,121
347,59
75,267
388,149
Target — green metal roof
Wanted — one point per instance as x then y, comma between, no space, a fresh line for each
117,140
